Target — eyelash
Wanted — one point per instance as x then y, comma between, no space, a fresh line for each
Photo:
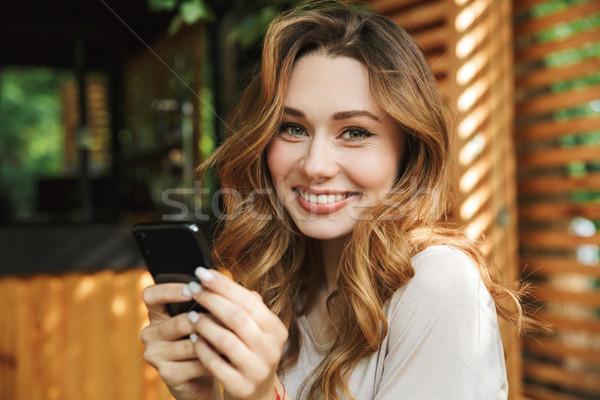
284,129
365,133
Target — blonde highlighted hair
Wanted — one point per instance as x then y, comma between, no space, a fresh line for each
270,256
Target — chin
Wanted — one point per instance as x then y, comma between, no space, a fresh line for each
324,231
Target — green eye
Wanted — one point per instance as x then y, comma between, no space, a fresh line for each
356,133
294,130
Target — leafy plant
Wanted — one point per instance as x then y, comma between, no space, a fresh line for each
31,133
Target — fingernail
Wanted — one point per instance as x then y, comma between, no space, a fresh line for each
193,316
186,291
194,337
204,275
194,287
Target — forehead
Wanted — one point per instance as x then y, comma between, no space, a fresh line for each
340,82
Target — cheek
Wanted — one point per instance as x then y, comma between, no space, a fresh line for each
376,171
279,164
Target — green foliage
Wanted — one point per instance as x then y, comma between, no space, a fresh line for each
208,138
554,6
188,12
253,26
581,169
256,16
584,110
31,134
588,139
572,56
571,28
161,5
577,83
577,169
251,19
195,10
585,196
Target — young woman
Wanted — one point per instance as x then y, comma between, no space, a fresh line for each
346,284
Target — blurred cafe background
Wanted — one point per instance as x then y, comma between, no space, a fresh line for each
107,106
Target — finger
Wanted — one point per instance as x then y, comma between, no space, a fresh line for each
233,316
216,365
246,315
170,329
179,350
179,373
249,300
157,296
227,343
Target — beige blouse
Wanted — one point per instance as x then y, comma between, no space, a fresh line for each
443,340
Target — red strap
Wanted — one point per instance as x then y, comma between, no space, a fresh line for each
277,394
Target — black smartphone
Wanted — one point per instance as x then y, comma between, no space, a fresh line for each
172,251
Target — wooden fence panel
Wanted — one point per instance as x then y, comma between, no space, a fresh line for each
75,336
558,121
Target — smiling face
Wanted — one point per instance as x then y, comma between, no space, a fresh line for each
337,152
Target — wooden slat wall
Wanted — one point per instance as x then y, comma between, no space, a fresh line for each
483,81
98,122
427,23
75,336
469,46
559,191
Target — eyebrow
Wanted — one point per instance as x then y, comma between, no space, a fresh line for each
341,115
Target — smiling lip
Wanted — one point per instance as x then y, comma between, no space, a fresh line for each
323,201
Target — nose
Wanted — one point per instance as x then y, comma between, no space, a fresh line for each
319,163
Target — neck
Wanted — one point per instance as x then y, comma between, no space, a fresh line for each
331,251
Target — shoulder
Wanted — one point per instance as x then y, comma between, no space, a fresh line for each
442,271
446,283
444,262
443,332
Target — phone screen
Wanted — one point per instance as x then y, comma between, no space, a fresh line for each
172,251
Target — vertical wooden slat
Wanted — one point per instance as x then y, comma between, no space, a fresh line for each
52,338
98,121
101,334
86,321
552,138
74,354
26,340
8,348
505,212
483,70
75,336
127,371
127,379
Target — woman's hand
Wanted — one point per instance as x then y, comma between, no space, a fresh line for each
168,348
241,341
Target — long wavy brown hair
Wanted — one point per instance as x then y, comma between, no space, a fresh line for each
259,243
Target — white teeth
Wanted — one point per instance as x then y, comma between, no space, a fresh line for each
323,198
